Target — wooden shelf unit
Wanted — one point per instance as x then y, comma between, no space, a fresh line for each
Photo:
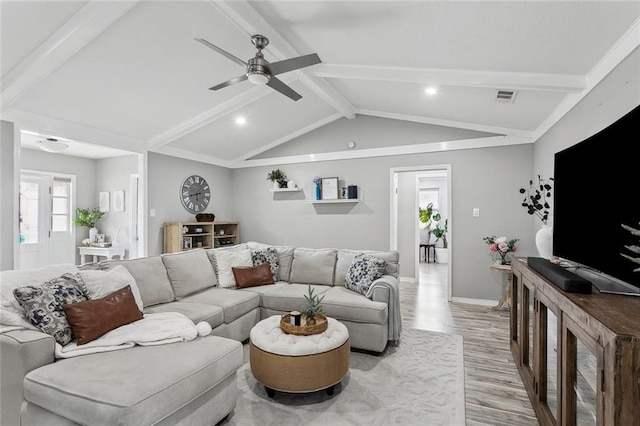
183,236
578,354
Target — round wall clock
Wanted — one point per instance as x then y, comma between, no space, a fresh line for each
195,194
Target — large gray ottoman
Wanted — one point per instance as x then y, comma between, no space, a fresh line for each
190,383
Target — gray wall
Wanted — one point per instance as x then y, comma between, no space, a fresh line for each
83,168
8,233
114,174
336,135
612,98
165,175
487,178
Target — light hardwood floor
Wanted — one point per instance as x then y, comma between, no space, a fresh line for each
494,391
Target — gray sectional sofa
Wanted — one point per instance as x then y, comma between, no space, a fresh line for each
153,384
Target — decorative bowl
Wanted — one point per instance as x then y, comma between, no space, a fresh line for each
205,217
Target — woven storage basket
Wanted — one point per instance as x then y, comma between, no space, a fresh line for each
303,329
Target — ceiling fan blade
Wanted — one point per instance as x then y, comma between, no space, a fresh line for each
293,64
278,85
222,52
234,80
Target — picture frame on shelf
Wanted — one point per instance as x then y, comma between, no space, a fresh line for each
103,201
118,201
329,188
99,238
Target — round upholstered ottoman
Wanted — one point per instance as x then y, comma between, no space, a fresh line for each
291,363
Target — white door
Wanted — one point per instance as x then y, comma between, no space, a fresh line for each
46,233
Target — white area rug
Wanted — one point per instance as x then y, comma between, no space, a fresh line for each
420,382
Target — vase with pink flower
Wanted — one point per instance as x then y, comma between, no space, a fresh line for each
500,248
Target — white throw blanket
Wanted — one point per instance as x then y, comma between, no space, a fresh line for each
395,317
153,329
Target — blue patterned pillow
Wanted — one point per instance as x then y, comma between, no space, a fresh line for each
267,255
364,270
43,304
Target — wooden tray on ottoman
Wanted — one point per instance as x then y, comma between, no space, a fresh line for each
303,329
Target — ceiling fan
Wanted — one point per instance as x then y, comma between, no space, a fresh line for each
260,71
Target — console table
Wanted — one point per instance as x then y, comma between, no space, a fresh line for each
578,354
108,252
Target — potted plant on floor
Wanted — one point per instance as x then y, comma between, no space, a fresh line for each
440,232
425,215
278,177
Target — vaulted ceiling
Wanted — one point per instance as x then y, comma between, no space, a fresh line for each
129,74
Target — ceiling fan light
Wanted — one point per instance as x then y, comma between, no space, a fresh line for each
53,145
258,78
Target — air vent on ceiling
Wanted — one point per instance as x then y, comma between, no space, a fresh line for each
503,95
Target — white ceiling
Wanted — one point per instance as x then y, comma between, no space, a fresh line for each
129,74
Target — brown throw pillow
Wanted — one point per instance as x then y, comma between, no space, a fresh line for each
250,276
93,318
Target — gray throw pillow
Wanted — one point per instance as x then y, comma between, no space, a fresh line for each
43,305
267,255
364,270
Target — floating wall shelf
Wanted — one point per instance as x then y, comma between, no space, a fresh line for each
285,190
338,201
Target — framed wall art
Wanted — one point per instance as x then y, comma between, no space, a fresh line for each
103,201
330,188
118,201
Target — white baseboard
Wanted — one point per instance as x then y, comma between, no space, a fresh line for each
409,280
469,301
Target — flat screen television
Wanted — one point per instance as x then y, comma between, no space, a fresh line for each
596,197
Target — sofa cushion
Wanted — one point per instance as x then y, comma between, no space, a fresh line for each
345,259
189,272
99,283
313,266
285,258
11,312
364,270
234,303
290,297
225,260
195,311
267,255
149,383
93,318
43,305
344,304
251,276
151,277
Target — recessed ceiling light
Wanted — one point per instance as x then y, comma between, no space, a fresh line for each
241,120
431,90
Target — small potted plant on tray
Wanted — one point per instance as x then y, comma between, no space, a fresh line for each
313,308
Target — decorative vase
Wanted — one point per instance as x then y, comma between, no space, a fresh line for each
276,184
318,192
425,235
291,184
311,320
544,241
92,234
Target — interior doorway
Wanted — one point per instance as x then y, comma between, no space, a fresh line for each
406,183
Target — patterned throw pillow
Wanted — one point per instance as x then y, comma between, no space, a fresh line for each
267,255
364,270
43,305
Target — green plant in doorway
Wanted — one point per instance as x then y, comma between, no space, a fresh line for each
440,232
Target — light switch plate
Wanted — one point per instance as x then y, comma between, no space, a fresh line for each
476,212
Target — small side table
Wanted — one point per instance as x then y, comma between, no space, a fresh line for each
506,297
427,250
107,252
